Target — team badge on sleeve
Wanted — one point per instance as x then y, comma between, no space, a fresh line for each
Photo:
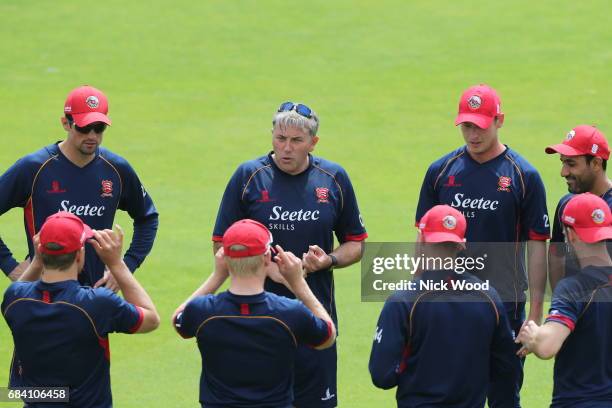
322,194
107,188
504,183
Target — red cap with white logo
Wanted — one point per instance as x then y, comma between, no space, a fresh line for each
67,231
443,223
590,216
252,235
479,105
582,140
87,105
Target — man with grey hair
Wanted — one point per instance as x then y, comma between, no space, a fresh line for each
303,200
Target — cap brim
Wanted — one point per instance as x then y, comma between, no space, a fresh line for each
564,150
84,119
434,237
481,121
594,234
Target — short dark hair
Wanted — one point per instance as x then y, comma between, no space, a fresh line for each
61,262
590,158
69,118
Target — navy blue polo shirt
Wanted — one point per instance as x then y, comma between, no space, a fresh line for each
248,346
558,236
503,201
299,210
583,366
60,331
425,340
46,182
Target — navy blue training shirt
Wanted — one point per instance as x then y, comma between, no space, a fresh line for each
299,210
443,347
248,346
558,236
60,331
46,182
583,366
503,200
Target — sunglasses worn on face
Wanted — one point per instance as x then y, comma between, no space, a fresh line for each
299,108
97,127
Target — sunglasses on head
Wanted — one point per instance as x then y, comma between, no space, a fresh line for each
97,127
299,108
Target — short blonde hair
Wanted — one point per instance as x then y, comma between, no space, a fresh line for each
248,265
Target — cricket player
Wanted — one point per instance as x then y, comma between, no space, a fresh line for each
584,154
503,200
248,338
79,176
441,348
578,329
303,200
60,329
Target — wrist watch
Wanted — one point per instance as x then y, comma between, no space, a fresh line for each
334,261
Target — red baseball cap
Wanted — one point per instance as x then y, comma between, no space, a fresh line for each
590,216
248,233
87,104
479,105
443,223
66,230
582,140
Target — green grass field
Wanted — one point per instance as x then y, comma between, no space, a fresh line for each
192,88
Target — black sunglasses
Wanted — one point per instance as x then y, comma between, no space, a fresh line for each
97,127
299,108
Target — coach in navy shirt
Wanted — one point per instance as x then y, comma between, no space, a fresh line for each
303,200
248,338
443,347
79,176
60,329
584,154
503,199
578,329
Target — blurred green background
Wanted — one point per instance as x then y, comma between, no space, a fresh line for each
192,89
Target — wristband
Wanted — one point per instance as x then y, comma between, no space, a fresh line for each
334,261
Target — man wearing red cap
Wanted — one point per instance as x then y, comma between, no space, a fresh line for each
426,339
305,201
248,337
584,155
503,199
578,329
60,329
79,176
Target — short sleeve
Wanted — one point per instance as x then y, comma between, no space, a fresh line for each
188,321
533,209
350,226
565,306
231,207
309,329
427,197
118,315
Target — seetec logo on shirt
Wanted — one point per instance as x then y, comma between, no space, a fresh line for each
84,210
279,215
473,203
